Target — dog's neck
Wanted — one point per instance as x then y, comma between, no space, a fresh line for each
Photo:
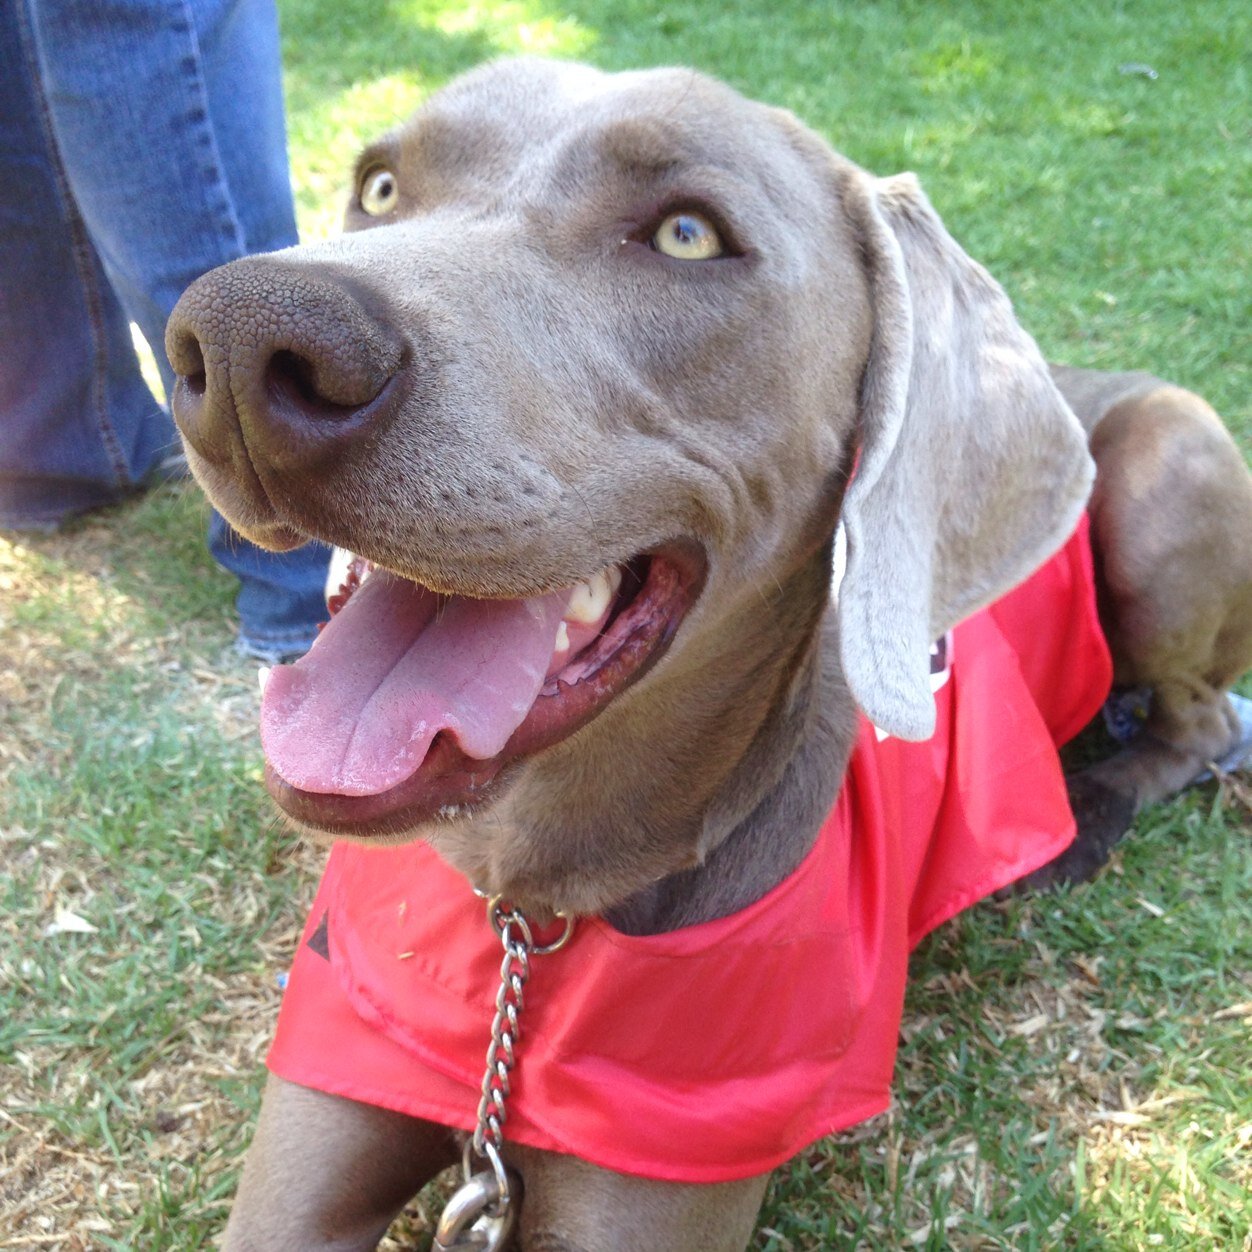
767,814
722,792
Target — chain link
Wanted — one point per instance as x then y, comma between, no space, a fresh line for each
518,941
480,1215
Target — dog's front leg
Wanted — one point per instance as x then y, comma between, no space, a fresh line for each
572,1206
325,1174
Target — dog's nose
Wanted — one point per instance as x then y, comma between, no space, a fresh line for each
283,356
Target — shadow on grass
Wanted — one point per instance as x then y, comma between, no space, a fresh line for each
149,561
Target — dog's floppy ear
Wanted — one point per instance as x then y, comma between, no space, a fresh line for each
972,471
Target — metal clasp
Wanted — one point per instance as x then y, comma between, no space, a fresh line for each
502,916
480,1216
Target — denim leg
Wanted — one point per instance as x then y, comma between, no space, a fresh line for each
281,597
78,426
169,116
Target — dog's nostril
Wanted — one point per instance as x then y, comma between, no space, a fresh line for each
187,358
291,372
293,382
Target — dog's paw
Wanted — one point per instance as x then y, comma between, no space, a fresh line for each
1103,816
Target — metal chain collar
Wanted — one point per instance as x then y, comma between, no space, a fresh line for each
480,1215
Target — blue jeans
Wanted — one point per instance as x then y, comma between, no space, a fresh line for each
142,142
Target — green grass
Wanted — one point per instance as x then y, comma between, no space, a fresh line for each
132,800
1074,1071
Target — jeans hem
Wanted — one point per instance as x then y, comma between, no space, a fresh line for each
276,648
48,521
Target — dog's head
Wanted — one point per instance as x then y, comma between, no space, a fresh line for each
583,385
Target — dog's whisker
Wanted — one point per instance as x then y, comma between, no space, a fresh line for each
592,526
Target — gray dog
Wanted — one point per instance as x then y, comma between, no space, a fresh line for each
606,374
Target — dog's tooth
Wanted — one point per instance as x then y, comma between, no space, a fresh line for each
591,599
337,570
562,639
263,676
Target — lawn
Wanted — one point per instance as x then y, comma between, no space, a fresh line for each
1075,1068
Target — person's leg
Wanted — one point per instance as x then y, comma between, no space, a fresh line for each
169,118
78,427
169,115
282,597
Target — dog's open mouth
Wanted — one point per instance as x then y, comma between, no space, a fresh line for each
411,702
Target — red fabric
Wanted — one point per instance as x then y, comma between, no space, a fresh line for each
718,1051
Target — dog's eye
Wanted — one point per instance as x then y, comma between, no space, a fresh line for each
379,191
688,237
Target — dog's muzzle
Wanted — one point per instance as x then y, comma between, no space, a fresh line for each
280,373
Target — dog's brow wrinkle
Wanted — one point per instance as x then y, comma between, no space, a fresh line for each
684,97
381,151
644,170
642,149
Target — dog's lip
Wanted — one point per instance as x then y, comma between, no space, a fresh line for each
243,501
251,486
450,784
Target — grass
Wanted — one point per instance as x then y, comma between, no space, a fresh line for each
1074,1069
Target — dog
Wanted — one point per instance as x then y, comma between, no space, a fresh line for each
607,379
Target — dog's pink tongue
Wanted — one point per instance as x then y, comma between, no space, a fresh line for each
395,666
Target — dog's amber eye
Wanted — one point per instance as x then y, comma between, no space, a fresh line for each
688,237
379,191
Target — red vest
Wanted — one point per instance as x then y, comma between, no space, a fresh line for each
718,1051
